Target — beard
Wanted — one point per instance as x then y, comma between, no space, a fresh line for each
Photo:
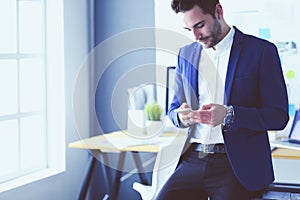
215,36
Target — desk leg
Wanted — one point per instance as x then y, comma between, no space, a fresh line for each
87,178
118,175
106,173
138,164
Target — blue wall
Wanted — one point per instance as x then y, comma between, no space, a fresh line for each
113,18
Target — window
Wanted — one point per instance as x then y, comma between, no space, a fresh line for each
32,91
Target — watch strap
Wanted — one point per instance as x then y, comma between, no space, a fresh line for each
229,117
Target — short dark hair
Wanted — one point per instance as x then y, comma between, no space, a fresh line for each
208,6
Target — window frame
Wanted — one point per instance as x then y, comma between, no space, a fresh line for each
55,97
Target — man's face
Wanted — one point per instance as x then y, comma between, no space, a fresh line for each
206,29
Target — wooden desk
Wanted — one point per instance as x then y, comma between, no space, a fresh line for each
121,143
286,153
286,164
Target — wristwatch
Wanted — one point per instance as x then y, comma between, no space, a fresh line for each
229,117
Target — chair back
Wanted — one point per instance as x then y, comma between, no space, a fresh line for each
166,162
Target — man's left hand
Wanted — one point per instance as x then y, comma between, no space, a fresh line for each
210,114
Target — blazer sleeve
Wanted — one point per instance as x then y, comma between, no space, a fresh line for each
179,96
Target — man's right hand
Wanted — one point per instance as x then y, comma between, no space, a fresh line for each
184,116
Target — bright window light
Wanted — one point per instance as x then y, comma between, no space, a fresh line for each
32,112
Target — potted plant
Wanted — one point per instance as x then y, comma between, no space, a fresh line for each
154,122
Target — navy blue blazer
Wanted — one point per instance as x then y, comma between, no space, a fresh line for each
256,88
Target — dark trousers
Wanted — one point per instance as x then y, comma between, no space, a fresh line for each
208,175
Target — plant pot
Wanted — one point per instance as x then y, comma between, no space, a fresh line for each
154,128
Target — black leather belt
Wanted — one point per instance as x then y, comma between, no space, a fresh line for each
208,148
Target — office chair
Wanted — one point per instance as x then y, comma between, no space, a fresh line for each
165,164
167,158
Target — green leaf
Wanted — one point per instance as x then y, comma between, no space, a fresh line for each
153,111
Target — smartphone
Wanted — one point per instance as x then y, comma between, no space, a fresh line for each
181,110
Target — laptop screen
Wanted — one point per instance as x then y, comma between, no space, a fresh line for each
295,131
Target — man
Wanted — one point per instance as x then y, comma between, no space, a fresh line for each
231,91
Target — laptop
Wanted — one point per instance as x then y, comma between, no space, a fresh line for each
293,141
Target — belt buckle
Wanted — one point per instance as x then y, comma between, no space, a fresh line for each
207,148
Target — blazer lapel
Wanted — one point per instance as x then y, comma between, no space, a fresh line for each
232,64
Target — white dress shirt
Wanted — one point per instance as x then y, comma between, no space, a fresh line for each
212,74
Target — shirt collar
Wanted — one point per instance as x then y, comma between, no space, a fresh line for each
226,42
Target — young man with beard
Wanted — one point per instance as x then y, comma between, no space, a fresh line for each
232,88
